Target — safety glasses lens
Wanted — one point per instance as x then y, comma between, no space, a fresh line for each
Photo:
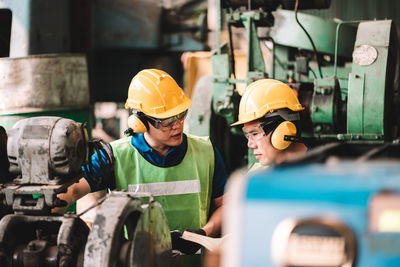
254,135
169,121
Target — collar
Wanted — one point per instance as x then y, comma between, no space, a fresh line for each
141,145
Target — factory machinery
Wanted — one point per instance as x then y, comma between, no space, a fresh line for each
40,158
338,204
346,74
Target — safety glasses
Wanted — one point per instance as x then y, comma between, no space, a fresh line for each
256,133
168,122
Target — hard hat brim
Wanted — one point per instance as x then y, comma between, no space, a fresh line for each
243,122
174,111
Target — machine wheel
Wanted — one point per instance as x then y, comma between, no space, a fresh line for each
127,232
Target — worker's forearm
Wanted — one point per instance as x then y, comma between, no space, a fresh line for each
213,226
74,192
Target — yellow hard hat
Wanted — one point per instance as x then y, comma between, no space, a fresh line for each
263,96
156,94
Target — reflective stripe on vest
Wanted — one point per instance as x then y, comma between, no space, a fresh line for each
167,188
184,190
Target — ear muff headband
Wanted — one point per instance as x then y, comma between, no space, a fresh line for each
138,123
278,135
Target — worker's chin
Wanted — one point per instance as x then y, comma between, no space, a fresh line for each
175,140
264,161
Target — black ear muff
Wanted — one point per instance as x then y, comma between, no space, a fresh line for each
278,135
138,123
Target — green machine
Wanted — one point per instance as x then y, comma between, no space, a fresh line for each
345,72
347,78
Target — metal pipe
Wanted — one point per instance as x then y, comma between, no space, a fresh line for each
231,51
270,5
269,38
219,25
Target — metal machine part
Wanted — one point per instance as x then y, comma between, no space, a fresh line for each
347,104
286,34
4,173
273,4
361,107
45,154
370,98
320,241
251,15
325,111
46,150
52,85
4,164
51,82
335,206
127,232
42,240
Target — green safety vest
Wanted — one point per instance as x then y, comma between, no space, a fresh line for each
184,190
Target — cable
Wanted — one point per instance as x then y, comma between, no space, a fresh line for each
231,52
372,153
313,72
309,38
106,160
97,203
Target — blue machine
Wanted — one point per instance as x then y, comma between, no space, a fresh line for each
334,212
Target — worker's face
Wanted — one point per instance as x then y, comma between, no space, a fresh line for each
168,134
260,143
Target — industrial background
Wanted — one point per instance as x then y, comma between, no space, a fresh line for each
75,59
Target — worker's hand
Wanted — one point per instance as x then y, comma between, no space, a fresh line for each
185,246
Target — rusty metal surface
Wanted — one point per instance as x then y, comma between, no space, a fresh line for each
71,241
147,241
46,150
19,197
152,239
42,240
17,231
106,236
37,83
4,164
45,155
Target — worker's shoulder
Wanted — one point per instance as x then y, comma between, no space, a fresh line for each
199,139
121,141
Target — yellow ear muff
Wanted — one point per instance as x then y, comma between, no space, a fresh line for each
136,124
278,136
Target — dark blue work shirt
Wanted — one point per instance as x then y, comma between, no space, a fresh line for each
173,157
